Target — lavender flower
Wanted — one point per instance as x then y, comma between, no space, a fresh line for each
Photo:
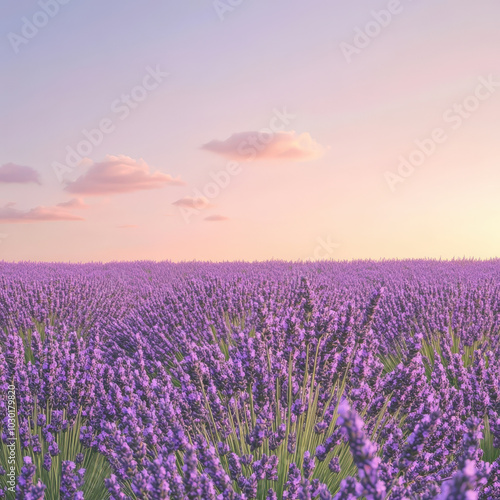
364,455
47,461
308,465
334,465
292,442
71,480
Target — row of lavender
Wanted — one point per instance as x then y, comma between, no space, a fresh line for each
250,381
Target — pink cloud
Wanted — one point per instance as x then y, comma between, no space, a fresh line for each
73,204
216,218
11,215
197,203
120,174
127,226
267,146
12,173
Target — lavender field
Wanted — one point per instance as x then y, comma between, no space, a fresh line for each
238,381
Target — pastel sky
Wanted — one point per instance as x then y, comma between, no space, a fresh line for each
249,130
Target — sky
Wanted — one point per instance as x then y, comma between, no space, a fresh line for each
249,130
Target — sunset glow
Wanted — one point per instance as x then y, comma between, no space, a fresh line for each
175,131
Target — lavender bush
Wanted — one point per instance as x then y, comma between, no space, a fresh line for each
250,381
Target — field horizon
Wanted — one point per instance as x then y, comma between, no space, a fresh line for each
264,261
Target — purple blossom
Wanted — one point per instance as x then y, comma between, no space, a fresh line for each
144,358
47,461
71,481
